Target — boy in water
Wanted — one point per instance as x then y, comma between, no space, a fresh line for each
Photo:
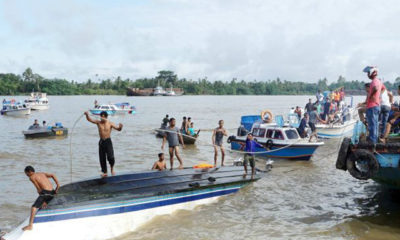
217,140
160,164
171,135
106,150
44,188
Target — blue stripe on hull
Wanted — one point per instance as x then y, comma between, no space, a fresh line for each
132,208
326,135
297,153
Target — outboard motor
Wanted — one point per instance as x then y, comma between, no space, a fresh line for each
242,131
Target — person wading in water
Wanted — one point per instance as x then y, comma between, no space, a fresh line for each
44,188
217,140
171,135
106,150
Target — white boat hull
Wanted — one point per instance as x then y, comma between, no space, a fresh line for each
98,228
336,131
19,112
39,107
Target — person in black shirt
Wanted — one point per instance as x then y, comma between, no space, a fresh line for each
309,106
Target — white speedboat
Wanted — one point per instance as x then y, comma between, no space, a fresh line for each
12,108
337,130
38,101
124,108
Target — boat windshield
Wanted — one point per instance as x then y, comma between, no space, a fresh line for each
292,134
259,132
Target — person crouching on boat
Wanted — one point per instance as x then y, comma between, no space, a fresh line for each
171,135
313,118
249,155
160,165
106,150
44,188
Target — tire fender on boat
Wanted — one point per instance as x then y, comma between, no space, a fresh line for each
365,157
343,154
269,143
270,116
231,138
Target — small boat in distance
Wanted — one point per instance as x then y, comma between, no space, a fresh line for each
38,101
46,131
105,208
123,108
112,109
13,108
280,139
159,91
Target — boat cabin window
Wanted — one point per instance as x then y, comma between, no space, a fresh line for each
275,134
258,132
291,134
104,107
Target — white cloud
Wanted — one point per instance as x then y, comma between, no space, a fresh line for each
293,40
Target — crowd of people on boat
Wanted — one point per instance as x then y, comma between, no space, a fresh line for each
378,112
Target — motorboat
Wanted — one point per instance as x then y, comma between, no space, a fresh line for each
123,108
38,101
36,131
335,130
13,108
159,91
110,109
105,208
187,139
281,140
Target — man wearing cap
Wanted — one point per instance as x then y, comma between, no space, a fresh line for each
373,103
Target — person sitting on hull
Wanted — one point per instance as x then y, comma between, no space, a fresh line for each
106,150
160,165
44,188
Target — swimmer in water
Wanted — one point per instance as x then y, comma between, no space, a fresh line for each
160,165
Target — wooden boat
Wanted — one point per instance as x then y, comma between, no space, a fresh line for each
105,208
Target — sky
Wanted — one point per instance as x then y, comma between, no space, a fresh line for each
218,39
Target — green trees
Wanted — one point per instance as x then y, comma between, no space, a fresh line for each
11,84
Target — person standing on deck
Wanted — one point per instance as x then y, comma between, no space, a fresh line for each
386,105
250,149
309,106
373,104
313,119
171,135
45,190
217,140
106,150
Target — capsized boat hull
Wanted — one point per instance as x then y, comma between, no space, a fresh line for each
107,208
336,131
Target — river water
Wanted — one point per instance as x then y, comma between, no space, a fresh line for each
296,200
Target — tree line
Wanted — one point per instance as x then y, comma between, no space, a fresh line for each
12,84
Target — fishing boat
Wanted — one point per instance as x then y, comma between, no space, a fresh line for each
38,101
47,131
281,140
363,160
187,139
105,208
13,108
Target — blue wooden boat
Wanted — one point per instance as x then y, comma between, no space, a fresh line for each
104,208
379,162
279,139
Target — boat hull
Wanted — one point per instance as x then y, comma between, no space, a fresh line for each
19,112
109,218
339,131
46,133
39,107
97,112
294,152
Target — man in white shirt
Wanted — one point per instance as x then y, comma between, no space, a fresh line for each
386,104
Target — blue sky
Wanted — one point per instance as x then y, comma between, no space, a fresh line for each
220,39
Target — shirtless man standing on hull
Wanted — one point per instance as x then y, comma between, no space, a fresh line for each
44,188
173,135
217,141
106,150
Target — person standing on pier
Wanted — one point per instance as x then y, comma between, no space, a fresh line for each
106,150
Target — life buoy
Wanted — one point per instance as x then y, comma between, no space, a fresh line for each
231,138
343,154
270,116
366,158
269,144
